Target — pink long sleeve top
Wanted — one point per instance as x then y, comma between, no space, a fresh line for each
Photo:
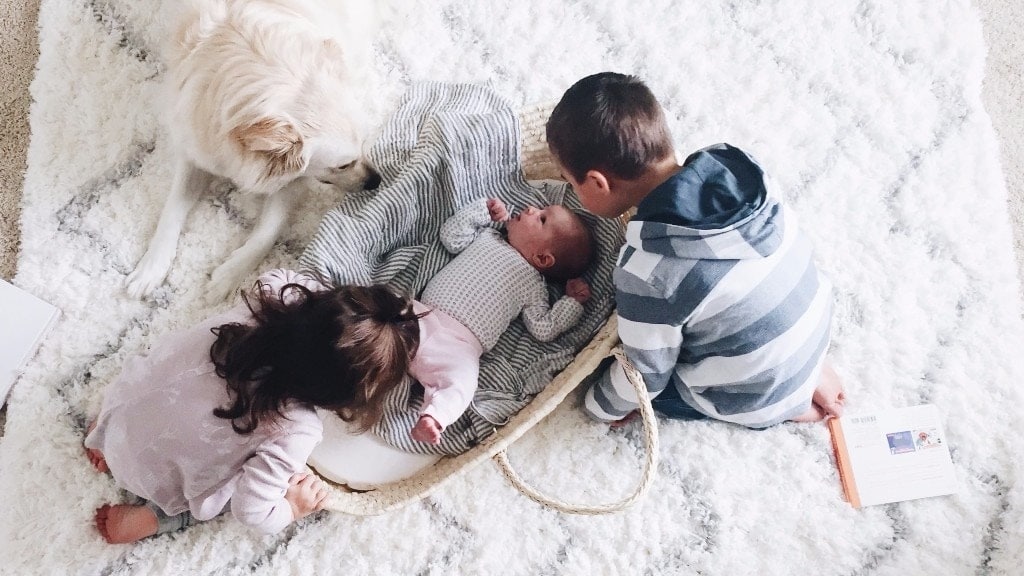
162,442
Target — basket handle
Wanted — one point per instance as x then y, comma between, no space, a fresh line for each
650,427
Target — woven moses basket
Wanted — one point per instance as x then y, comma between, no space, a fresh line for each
537,165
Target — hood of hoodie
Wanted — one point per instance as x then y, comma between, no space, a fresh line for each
716,207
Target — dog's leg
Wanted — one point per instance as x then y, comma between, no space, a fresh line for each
226,278
188,185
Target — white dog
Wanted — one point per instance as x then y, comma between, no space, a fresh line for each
259,92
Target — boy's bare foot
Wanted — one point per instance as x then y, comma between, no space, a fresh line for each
829,395
123,523
625,419
95,456
812,414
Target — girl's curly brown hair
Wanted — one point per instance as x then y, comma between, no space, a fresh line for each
341,349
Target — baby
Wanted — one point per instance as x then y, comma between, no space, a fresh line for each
492,281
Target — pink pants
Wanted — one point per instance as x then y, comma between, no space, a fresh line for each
447,364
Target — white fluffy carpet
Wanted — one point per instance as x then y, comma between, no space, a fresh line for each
867,113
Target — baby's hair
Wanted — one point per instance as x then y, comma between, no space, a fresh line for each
574,254
610,122
342,349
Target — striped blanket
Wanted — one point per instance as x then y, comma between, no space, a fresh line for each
446,145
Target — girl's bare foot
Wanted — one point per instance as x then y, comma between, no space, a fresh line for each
95,456
829,395
123,523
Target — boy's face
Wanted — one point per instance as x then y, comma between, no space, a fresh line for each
534,231
594,193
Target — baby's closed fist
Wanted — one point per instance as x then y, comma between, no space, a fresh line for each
578,290
497,209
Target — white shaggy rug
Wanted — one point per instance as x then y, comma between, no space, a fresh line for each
868,113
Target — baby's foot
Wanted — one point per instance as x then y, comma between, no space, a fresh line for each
123,523
95,456
829,395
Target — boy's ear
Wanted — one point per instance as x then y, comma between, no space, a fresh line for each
596,182
599,179
543,260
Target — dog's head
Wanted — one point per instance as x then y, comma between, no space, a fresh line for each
339,162
285,154
267,92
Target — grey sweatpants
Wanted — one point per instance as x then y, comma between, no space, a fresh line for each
165,523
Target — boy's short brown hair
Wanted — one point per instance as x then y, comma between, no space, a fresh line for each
610,122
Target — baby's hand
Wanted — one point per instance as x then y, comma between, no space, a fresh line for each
496,208
427,430
578,290
306,494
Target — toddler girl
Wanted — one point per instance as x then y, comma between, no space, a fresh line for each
222,415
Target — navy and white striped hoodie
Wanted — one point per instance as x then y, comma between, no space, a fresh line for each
718,295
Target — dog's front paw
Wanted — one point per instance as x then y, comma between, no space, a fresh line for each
223,283
148,274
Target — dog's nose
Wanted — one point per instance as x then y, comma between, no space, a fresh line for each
372,180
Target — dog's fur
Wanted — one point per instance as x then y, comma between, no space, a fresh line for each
260,92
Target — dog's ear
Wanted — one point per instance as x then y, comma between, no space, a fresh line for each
277,140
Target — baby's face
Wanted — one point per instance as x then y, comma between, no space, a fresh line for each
537,230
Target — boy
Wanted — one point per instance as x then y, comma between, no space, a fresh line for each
720,305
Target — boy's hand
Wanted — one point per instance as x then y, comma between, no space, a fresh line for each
306,494
496,208
427,430
578,290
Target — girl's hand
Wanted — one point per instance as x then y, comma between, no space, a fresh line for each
496,208
578,290
427,430
306,494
